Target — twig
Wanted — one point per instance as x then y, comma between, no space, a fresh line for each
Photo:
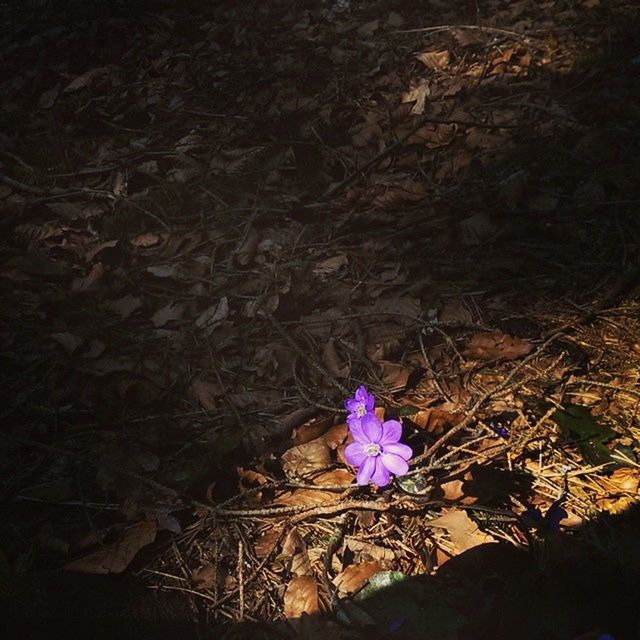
471,413
475,27
306,356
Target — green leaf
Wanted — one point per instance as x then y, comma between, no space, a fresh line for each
585,431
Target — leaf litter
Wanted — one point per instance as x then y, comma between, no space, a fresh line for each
211,254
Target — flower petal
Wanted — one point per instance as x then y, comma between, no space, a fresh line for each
355,428
354,454
380,475
394,463
371,427
351,405
399,449
366,470
391,432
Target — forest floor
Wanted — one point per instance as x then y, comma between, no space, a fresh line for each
219,219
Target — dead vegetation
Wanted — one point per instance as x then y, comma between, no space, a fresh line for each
218,220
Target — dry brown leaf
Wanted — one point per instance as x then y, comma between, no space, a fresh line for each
306,458
125,306
306,497
625,483
335,477
417,93
464,533
335,436
86,79
434,59
436,420
311,430
209,319
300,597
332,265
145,240
455,310
355,576
625,479
265,544
368,28
433,136
496,345
246,251
162,270
403,309
294,547
332,360
90,280
373,551
171,312
293,543
205,393
249,477
482,139
69,341
100,247
205,576
394,375
115,558
477,229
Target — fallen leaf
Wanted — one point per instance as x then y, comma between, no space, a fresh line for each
305,497
294,548
125,306
265,544
115,558
205,576
393,375
99,248
368,28
306,458
311,430
335,477
495,346
67,210
48,98
300,597
436,420
355,576
434,59
90,280
332,361
330,266
433,136
247,249
335,436
208,320
374,551
477,229
418,93
171,312
145,240
162,270
206,393
464,533
68,340
86,79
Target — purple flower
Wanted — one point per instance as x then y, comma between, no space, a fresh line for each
550,521
361,403
376,449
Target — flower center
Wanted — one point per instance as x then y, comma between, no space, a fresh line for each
373,449
360,411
